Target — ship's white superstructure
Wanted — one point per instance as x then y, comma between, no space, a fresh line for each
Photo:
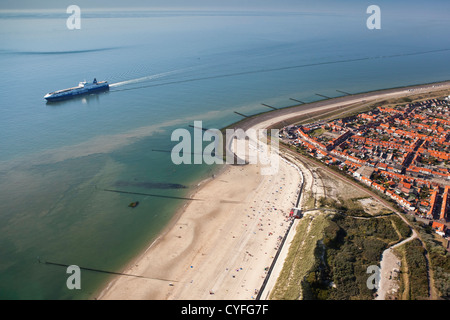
82,88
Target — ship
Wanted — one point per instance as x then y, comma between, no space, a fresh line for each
82,89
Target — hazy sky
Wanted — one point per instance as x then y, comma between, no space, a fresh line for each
213,4
220,4
403,8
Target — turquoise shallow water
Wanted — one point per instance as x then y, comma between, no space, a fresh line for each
167,69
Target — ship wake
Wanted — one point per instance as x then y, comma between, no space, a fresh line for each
147,78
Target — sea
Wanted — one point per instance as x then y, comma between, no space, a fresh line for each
60,163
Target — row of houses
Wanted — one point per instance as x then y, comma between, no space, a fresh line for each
402,152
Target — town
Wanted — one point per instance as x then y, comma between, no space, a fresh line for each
402,151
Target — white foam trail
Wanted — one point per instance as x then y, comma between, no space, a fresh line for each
146,78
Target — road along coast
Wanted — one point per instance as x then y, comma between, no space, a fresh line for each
222,246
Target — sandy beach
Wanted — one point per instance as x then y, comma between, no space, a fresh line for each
220,247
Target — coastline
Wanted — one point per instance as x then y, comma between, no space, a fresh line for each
213,233
220,245
127,288
172,222
290,112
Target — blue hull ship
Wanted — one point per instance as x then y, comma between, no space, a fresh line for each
83,88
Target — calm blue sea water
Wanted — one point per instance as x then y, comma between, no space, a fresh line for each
167,69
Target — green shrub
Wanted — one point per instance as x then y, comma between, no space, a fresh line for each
417,270
353,244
